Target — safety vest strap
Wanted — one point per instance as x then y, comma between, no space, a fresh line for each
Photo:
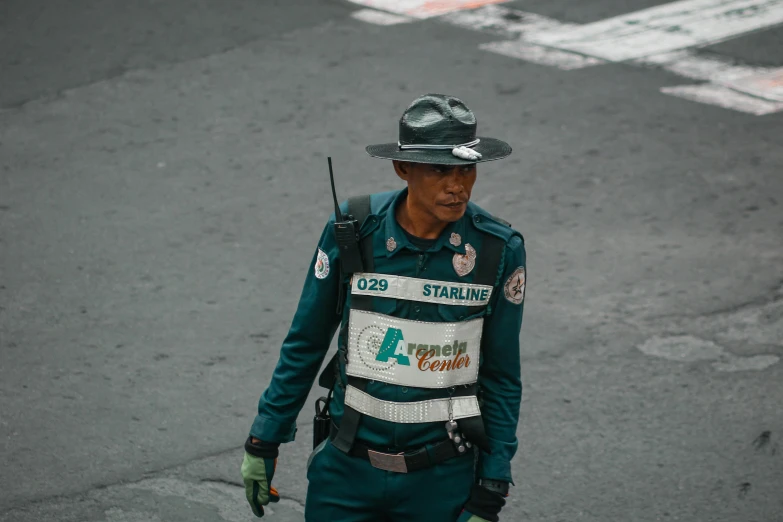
433,410
488,265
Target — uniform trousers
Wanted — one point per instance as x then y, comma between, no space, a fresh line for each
343,488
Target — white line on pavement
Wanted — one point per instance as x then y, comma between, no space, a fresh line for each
724,97
510,22
541,55
665,28
716,69
503,20
767,84
424,8
372,16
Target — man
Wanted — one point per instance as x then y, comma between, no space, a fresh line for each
427,375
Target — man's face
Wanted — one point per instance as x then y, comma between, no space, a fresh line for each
441,190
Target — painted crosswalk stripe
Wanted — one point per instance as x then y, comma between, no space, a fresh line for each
767,85
502,20
424,8
712,94
691,64
541,55
371,16
665,28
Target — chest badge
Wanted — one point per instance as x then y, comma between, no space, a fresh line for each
391,244
464,263
455,239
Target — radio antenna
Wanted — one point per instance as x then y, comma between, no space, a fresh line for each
337,214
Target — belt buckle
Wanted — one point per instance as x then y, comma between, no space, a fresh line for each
388,461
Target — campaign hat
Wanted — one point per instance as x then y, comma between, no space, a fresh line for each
440,129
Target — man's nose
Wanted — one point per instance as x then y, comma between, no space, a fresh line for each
454,183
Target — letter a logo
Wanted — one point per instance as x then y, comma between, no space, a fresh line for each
393,346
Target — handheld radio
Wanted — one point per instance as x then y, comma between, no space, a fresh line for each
346,231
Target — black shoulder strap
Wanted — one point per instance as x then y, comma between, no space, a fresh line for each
359,209
487,268
488,264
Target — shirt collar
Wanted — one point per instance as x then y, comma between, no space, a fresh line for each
396,239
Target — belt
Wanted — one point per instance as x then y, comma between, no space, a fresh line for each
405,462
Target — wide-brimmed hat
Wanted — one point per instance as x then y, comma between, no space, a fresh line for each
440,129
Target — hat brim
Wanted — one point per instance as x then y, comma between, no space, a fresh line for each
489,148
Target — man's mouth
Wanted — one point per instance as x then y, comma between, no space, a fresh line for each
456,204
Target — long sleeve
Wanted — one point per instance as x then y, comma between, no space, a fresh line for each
499,374
304,348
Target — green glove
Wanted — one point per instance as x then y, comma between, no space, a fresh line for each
258,469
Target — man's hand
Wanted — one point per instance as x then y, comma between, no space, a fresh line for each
482,506
258,469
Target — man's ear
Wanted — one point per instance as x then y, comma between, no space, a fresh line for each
402,168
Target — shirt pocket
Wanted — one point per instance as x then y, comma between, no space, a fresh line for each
457,313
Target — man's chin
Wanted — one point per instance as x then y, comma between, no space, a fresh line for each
451,214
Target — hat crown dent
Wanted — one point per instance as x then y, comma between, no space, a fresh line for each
437,119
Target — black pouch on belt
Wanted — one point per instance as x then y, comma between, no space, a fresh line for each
322,421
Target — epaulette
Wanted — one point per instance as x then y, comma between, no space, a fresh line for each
487,223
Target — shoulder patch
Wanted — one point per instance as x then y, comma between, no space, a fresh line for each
514,289
321,267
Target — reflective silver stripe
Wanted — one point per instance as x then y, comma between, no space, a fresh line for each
413,353
436,410
437,147
422,290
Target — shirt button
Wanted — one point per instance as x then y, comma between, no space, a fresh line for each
404,389
417,309
477,219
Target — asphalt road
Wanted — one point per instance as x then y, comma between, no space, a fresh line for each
163,183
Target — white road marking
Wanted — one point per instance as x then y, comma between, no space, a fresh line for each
715,69
724,97
540,55
503,20
665,28
372,16
510,22
767,85
424,8
687,348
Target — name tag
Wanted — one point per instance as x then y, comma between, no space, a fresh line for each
423,290
413,353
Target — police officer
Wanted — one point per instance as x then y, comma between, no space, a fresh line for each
426,385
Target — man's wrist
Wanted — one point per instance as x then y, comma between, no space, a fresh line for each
261,449
497,486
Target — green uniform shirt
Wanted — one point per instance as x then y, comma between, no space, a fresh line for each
315,324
